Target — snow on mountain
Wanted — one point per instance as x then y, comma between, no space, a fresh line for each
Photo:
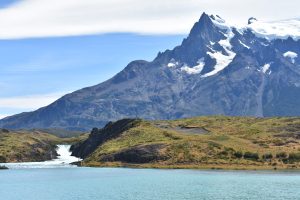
219,69
266,67
270,30
196,69
291,55
223,57
276,30
222,62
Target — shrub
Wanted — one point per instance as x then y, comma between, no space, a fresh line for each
223,154
281,155
2,159
170,135
3,130
228,149
251,156
238,154
294,157
267,156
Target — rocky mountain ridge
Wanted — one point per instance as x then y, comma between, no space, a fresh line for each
218,69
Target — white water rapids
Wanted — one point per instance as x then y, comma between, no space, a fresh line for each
63,159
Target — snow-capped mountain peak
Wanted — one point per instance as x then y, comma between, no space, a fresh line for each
219,69
220,42
276,30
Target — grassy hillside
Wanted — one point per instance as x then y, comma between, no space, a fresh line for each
30,146
62,133
204,142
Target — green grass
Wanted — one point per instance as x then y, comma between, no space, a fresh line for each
144,133
226,137
28,146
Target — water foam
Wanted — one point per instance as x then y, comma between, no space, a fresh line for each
63,160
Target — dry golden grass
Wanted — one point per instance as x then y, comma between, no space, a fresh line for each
215,149
16,146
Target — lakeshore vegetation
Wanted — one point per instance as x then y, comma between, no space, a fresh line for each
216,142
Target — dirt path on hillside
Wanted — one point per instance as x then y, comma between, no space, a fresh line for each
184,130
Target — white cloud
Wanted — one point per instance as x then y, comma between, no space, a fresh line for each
28,103
3,116
43,18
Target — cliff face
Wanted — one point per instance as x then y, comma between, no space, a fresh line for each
99,136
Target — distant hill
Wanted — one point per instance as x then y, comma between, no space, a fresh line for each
202,142
218,69
23,146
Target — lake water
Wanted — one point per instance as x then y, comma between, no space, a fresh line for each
145,184
58,180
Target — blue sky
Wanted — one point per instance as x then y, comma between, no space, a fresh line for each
33,68
5,3
49,48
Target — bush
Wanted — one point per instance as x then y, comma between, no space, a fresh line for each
224,153
281,155
238,154
3,130
267,156
251,156
170,135
2,159
294,157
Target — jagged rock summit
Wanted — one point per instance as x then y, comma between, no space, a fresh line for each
219,69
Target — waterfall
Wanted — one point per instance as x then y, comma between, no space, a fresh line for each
63,159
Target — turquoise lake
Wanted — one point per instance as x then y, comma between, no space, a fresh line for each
146,184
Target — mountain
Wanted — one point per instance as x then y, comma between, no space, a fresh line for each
219,69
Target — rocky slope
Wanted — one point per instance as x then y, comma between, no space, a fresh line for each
218,69
201,142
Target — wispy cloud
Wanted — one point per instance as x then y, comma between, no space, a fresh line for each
28,103
40,64
43,18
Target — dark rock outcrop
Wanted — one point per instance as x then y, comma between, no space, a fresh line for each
2,159
99,136
39,152
138,154
3,167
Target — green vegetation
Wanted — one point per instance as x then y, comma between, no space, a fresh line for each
61,133
294,157
30,146
267,156
238,154
281,155
221,142
251,156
